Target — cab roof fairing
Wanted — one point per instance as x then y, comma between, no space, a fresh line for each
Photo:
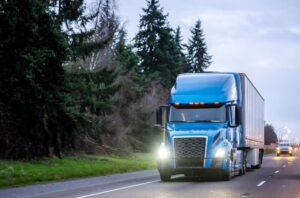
204,87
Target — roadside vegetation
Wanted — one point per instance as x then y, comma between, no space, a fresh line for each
71,81
14,173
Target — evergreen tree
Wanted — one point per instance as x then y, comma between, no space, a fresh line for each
197,57
180,56
33,47
125,55
155,45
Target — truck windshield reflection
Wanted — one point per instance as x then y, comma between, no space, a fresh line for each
197,114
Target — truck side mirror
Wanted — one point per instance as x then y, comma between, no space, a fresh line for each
161,116
233,115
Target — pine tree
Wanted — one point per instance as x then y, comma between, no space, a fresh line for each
125,55
180,56
33,47
197,56
155,45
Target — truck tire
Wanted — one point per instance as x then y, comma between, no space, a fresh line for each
291,154
165,176
261,155
228,174
278,154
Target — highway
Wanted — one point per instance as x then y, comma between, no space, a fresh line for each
278,177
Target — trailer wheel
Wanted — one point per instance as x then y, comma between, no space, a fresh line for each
278,154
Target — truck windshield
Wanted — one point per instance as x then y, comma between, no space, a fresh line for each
197,114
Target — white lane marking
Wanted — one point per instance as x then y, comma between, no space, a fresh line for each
117,189
284,166
276,171
261,183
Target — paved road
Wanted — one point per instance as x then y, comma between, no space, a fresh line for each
278,177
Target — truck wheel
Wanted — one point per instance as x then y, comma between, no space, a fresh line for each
165,176
278,154
291,154
261,154
227,174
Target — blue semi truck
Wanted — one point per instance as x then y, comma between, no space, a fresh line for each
213,124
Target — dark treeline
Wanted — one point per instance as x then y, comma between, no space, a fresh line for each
71,82
270,135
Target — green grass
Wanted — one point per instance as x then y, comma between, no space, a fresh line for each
14,173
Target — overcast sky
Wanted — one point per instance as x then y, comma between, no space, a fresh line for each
258,37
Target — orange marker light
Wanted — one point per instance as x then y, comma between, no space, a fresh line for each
177,104
216,104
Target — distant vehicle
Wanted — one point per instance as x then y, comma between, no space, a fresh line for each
284,147
213,123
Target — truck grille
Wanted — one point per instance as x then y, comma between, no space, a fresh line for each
189,152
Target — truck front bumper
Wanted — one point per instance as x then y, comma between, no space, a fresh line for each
210,166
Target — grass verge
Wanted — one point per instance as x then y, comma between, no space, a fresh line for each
15,173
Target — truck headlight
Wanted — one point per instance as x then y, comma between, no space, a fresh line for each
163,152
220,153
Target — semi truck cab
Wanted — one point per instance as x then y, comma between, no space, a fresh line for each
203,128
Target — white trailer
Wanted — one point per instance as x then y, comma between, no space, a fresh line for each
253,121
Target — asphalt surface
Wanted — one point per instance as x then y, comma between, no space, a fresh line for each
278,177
